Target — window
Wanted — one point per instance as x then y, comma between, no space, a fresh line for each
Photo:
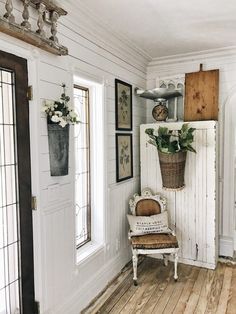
82,167
90,183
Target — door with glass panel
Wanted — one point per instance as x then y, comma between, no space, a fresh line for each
16,243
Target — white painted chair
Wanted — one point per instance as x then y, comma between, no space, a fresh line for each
146,205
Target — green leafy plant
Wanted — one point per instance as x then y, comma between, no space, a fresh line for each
170,142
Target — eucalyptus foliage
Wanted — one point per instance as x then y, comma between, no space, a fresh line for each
170,142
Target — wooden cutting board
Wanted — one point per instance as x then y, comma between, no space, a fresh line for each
201,95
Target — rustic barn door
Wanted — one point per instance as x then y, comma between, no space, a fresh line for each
16,242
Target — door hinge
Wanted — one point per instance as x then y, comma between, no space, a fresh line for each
34,203
30,92
37,307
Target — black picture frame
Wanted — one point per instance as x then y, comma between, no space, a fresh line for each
123,106
124,156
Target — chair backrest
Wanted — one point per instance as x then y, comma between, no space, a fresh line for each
147,204
147,207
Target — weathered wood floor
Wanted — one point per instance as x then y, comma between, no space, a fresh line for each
198,290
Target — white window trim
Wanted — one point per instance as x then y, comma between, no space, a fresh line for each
97,168
87,251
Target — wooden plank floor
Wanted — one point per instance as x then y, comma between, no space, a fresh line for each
198,290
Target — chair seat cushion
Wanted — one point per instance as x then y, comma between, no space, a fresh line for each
154,241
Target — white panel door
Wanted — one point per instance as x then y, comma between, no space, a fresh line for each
193,209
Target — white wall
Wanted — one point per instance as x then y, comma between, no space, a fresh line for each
225,61
61,285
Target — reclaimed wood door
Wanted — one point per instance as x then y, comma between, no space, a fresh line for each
192,210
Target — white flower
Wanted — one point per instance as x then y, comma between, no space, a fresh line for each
155,132
55,118
73,114
44,109
58,113
62,122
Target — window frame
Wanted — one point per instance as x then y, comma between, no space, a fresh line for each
98,149
88,214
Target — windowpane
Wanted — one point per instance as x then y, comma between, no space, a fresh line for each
82,167
9,240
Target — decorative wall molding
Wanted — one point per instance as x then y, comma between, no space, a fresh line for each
175,105
51,6
24,31
190,57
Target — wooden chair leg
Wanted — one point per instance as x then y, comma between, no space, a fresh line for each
176,264
135,266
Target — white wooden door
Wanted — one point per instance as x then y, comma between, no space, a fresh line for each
192,210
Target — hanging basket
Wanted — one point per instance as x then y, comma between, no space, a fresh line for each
58,141
172,170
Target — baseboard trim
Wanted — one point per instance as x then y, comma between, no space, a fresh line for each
189,262
226,246
83,296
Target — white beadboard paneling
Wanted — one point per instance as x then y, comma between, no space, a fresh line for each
212,249
193,209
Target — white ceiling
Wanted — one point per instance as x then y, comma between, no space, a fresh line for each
168,27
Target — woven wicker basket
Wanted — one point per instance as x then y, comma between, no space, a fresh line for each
172,170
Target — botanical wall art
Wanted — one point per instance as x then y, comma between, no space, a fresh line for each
123,101
124,156
59,115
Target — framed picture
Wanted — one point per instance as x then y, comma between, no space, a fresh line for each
123,101
124,156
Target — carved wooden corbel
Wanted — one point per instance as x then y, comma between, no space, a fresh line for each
24,30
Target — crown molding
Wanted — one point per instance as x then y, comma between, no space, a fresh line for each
85,19
193,56
94,27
